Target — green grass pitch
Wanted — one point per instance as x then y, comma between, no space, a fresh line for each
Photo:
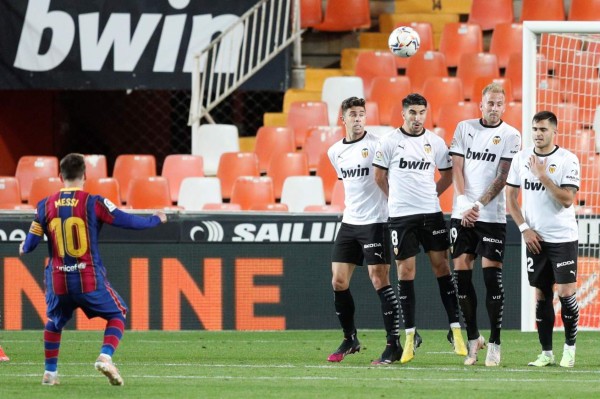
291,364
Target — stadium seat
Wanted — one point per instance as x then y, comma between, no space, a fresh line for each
95,166
345,15
211,140
547,10
513,115
249,191
348,59
297,95
12,206
195,192
284,165
220,206
327,173
458,39
425,32
442,90
274,119
31,166
441,132
41,187
506,40
273,140
584,10
474,66
372,64
318,142
304,115
311,13
10,193
487,14
106,187
149,193
233,165
300,191
514,72
323,208
424,65
314,78
130,166
482,82
177,167
336,90
273,207
338,195
451,114
386,92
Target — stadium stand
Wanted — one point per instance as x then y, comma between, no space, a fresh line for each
233,165
177,167
31,166
273,140
250,191
301,191
130,166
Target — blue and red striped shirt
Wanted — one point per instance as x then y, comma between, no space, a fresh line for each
72,219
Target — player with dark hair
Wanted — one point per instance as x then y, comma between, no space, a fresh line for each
75,276
549,177
362,236
405,162
481,150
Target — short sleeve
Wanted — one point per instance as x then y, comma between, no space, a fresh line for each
514,177
513,145
443,161
571,172
457,145
383,154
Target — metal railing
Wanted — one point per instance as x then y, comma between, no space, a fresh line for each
240,51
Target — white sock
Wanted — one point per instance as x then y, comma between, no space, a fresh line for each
454,325
548,353
410,330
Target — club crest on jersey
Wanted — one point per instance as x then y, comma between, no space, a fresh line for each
427,148
365,152
552,168
496,140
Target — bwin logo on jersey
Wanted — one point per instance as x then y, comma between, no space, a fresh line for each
496,140
552,168
483,156
427,148
533,186
365,152
356,172
212,231
420,165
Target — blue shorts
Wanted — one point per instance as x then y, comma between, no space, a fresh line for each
105,302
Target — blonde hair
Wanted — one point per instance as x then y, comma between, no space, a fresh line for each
493,88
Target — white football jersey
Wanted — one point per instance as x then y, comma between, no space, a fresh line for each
411,162
365,202
482,148
552,221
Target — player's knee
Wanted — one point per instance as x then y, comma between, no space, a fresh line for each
440,269
339,283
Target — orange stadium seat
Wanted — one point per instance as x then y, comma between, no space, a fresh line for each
513,115
271,207
327,173
323,208
451,114
107,187
311,13
506,39
95,166
372,64
250,191
488,14
584,10
179,166
386,92
130,166
31,166
474,66
273,140
424,65
482,82
306,114
345,15
338,195
318,142
547,10
297,95
284,165
149,193
10,193
41,187
425,32
458,39
233,165
219,206
442,90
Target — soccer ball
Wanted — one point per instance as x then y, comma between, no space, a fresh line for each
404,41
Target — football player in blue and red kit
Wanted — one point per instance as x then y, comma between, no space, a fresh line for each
75,276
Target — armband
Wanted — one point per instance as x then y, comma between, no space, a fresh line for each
523,227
